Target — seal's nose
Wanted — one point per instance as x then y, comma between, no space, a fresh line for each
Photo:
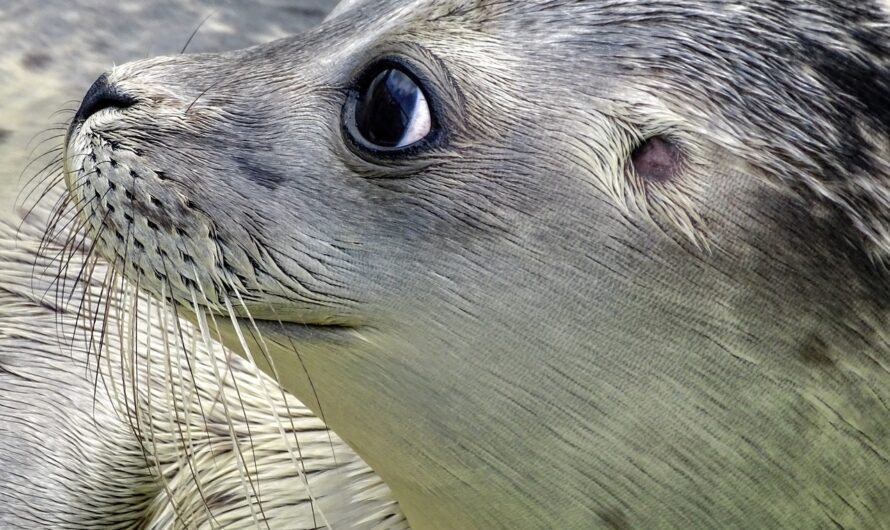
102,95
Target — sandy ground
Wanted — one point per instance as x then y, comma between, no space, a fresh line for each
52,50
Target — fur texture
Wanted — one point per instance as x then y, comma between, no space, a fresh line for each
512,326
138,433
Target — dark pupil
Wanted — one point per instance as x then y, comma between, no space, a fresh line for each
384,110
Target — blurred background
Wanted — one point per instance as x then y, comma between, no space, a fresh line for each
52,50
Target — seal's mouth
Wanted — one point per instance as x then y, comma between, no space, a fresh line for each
298,329
322,333
280,332
192,271
311,325
301,315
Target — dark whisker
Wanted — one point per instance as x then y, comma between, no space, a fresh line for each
195,32
100,306
45,140
201,95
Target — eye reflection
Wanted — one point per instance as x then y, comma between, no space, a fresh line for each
392,111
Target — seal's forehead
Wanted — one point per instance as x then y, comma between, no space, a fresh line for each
433,9
378,6
531,20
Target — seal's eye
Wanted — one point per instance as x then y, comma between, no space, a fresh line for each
392,111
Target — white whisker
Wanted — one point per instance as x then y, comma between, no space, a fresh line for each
263,385
236,448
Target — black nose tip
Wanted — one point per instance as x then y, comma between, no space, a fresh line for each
102,95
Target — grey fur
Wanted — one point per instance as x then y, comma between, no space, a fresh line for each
528,334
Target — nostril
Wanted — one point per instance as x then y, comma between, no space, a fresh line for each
102,95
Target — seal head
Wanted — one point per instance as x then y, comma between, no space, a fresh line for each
541,263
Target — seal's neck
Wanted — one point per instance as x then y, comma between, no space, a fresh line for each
572,439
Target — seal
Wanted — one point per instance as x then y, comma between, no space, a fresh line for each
543,264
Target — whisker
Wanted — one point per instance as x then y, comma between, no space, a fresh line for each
265,389
42,142
181,343
303,367
195,32
39,178
213,85
242,461
130,367
106,285
64,108
205,335
171,407
54,151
